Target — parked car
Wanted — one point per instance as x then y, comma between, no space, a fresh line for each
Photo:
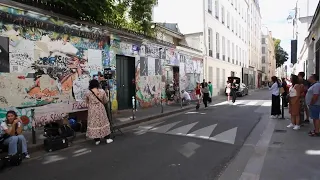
242,89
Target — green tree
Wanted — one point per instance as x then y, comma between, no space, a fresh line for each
135,15
280,54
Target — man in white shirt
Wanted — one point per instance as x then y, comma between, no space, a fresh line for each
185,97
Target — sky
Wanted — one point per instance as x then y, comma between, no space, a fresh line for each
274,15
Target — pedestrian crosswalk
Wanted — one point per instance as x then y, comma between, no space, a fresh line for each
245,103
228,136
180,128
259,104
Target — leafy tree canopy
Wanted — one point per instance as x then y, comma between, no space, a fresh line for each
132,14
280,54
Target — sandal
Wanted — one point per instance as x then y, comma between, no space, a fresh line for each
311,132
314,134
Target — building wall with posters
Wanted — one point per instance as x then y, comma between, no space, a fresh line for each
48,64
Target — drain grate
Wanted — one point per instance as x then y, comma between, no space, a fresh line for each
280,131
277,143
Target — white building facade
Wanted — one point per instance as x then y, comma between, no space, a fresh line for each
220,29
254,42
306,10
311,48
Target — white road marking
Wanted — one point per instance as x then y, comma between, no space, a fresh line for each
228,136
252,103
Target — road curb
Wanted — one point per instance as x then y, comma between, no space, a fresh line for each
82,137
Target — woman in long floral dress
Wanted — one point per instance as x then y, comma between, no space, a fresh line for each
98,122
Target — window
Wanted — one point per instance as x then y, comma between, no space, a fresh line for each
210,41
223,48
228,19
232,53
236,29
217,46
232,24
210,6
237,57
228,51
263,40
240,57
263,59
263,50
210,74
263,69
217,8
222,14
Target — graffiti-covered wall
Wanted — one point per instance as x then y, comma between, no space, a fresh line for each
191,72
45,66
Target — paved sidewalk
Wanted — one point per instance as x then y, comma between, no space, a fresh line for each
124,119
292,155
274,152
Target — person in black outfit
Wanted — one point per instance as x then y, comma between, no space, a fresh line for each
234,91
203,83
286,91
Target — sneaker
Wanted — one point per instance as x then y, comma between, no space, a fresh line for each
97,142
273,117
307,121
27,156
290,125
296,127
108,141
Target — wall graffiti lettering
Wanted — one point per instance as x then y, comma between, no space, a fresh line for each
79,105
49,117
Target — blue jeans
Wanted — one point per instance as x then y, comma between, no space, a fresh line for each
13,142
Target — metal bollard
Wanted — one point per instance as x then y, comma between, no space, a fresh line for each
282,107
133,107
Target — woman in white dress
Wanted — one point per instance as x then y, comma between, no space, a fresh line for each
228,90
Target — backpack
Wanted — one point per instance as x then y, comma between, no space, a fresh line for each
51,129
66,132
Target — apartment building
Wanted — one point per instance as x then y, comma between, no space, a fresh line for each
305,13
226,31
268,59
254,43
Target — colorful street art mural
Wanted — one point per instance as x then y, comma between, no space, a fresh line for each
45,65
190,72
50,63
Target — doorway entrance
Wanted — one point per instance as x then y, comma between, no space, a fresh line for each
125,76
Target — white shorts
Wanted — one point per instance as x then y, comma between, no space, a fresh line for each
198,96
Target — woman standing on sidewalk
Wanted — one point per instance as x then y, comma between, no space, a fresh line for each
294,103
275,91
98,122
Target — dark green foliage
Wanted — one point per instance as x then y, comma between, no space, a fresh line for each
280,54
135,15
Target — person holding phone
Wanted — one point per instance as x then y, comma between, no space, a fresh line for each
11,130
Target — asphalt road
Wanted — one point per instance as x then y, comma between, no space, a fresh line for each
194,145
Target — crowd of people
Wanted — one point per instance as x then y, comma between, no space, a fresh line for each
302,97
